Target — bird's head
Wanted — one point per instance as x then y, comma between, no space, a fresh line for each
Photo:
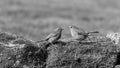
59,29
73,27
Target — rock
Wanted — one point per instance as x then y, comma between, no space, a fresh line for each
83,55
19,52
24,53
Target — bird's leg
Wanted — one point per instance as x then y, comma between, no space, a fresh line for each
51,43
87,36
89,39
48,44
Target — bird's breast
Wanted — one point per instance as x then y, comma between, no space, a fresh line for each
74,33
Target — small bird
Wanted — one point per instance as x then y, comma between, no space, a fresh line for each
79,33
54,36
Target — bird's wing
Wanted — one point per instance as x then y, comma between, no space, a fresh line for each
79,33
51,35
94,32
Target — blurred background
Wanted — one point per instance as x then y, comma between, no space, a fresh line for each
35,19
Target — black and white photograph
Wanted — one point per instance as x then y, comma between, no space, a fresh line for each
59,33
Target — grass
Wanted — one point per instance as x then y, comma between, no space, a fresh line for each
19,52
87,55
36,19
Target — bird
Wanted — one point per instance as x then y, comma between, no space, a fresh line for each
79,33
54,36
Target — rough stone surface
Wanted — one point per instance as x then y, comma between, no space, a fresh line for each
18,52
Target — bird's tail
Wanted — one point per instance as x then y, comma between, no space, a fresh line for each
92,32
